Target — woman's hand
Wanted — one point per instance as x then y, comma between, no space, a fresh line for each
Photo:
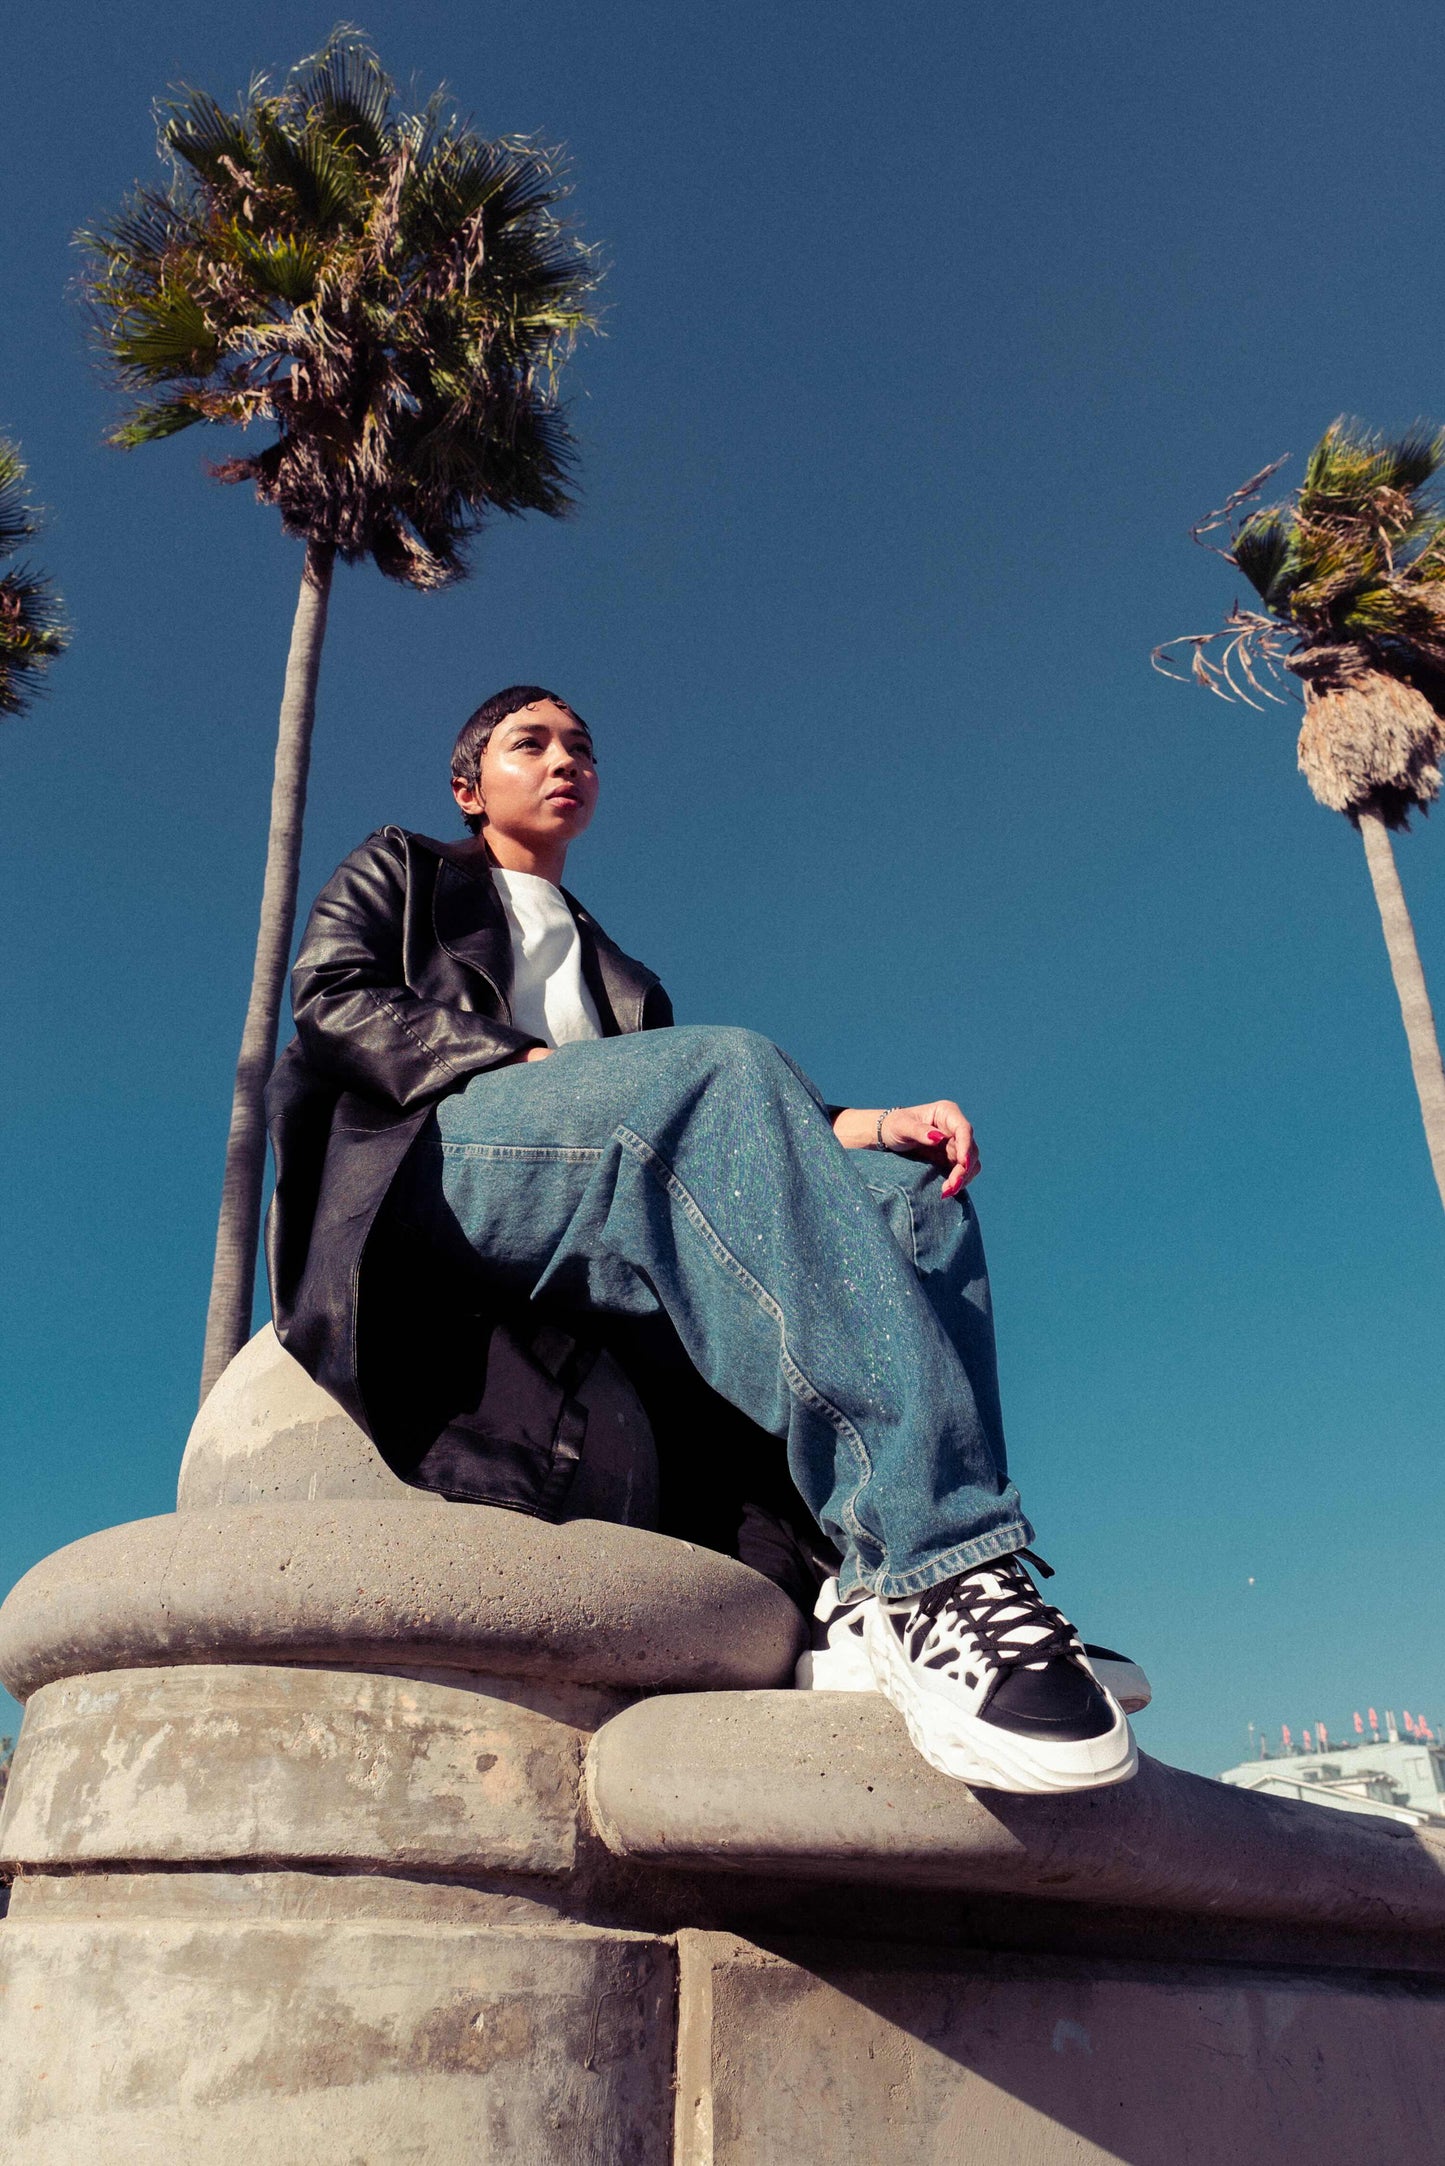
938,1130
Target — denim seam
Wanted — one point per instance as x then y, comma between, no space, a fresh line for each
801,1386
883,1195
566,1154
1002,1542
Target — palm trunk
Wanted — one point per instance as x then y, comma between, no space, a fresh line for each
1410,985
233,1275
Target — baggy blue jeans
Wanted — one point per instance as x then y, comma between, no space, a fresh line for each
834,1297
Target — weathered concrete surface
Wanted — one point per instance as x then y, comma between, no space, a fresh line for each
267,1434
333,2045
369,1583
1007,2061
244,1764
284,1895
827,1786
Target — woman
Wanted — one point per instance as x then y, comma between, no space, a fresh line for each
491,1140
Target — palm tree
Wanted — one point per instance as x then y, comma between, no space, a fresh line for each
1350,574
32,628
394,296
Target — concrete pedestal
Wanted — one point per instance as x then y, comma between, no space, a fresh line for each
228,2033
353,1827
1006,2060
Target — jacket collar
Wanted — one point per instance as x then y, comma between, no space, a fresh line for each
470,923
464,856
467,914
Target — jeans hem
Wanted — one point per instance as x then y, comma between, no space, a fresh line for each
982,1549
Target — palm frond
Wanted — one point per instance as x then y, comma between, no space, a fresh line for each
148,225
1262,550
1414,458
1379,612
286,265
18,520
33,629
165,334
1239,661
1224,520
1355,473
199,133
312,175
347,90
447,187
152,424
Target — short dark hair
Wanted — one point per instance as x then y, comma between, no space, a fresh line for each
475,733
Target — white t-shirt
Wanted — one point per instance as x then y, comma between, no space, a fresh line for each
550,999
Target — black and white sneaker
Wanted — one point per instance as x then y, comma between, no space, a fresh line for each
994,1686
836,1658
1121,1677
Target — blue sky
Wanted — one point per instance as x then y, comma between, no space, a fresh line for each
929,333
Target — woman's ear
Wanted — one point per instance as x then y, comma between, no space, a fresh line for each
469,797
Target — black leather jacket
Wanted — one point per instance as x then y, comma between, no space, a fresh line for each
401,995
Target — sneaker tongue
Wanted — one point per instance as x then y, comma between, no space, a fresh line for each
1019,1624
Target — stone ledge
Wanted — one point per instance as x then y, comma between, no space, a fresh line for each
374,1585
240,1764
826,1786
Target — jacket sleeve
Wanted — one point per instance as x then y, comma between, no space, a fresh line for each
358,1020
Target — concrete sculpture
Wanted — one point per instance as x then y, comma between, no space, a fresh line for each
350,1826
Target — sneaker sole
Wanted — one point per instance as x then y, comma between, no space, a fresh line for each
985,1757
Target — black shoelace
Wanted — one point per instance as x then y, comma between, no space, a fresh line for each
981,1614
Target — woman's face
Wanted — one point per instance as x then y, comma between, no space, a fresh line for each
538,781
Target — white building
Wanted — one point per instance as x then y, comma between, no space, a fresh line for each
1399,1778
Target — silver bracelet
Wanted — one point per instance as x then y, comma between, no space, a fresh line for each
880,1145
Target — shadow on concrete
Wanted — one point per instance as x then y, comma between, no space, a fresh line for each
929,2060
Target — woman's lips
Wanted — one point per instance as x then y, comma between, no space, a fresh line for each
564,797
